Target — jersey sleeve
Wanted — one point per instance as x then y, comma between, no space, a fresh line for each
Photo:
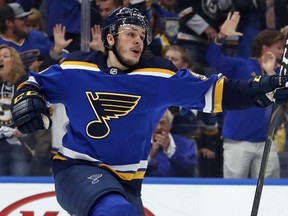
51,83
194,91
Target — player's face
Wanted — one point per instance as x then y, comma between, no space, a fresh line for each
20,28
130,43
6,63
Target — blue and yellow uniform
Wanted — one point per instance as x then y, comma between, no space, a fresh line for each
122,105
112,115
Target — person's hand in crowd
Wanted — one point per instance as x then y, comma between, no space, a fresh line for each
268,63
154,149
60,42
35,65
96,42
210,32
229,27
162,139
7,131
207,153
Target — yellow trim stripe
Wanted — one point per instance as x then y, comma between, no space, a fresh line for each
218,95
79,63
125,176
57,156
22,84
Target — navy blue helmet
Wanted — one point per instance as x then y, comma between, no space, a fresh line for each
122,16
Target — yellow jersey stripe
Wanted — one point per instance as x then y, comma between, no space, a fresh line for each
218,95
79,65
125,176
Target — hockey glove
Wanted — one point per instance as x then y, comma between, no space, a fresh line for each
30,112
269,89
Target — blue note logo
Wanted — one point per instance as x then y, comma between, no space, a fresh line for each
107,106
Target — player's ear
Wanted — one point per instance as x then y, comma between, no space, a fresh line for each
110,40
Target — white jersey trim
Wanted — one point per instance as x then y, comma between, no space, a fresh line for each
119,168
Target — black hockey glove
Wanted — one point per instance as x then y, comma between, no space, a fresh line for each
30,112
269,89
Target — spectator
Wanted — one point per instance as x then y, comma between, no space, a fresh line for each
160,41
251,23
179,55
192,124
32,46
107,6
210,145
15,155
185,120
68,14
245,131
198,25
171,155
35,21
168,18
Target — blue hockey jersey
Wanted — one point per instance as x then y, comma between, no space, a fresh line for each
112,115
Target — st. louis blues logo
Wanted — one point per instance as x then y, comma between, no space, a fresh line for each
95,178
107,106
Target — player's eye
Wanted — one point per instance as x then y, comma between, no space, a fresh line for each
131,34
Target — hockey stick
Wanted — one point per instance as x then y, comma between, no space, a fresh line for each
269,139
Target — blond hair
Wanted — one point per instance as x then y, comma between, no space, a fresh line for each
35,19
17,67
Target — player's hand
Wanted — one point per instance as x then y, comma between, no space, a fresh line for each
30,112
269,89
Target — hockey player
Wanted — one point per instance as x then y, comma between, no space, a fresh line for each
113,103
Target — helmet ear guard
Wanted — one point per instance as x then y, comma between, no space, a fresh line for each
122,16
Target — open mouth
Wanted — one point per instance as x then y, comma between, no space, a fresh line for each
1,66
136,50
